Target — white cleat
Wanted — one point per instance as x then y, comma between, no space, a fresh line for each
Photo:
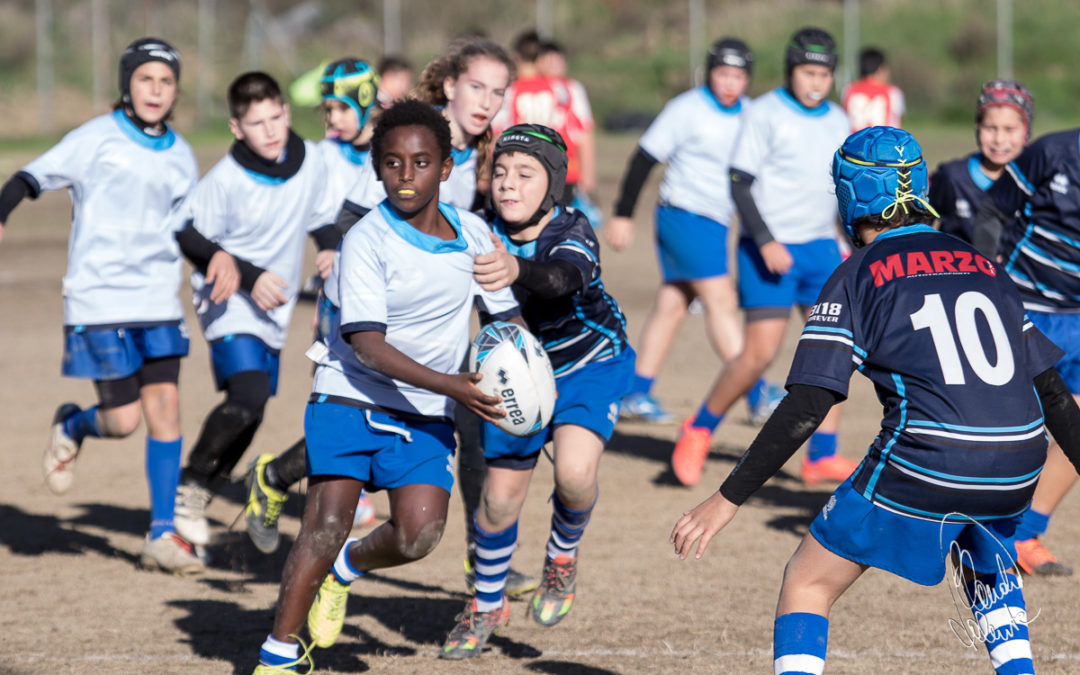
170,553
58,462
190,517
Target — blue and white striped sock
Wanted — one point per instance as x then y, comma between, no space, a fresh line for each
492,564
162,475
799,642
997,603
567,526
343,570
278,653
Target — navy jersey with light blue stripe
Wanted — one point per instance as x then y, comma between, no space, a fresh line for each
1041,245
585,326
956,189
942,334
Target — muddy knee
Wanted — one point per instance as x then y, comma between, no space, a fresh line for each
419,543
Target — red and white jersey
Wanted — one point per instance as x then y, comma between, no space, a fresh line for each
548,101
872,103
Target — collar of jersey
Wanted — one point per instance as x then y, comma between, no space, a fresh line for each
974,167
907,229
528,249
711,98
422,241
132,131
793,103
461,156
353,153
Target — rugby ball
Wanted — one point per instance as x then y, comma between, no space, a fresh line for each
516,368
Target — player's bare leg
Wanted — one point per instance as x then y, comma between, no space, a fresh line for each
577,454
160,403
722,320
667,314
814,578
502,496
122,420
1057,478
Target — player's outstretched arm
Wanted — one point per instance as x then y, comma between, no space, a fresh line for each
374,352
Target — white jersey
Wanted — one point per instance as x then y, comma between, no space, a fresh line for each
416,288
124,264
344,165
695,135
262,220
458,190
789,149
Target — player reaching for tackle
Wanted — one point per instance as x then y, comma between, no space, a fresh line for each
962,438
123,322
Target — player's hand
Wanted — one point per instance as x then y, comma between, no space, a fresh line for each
324,262
269,291
463,389
777,258
619,232
497,269
701,523
224,274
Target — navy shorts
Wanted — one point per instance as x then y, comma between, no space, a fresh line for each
813,264
116,352
1064,331
854,528
588,398
234,354
690,246
378,449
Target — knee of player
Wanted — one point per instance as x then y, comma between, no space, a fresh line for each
500,510
121,421
576,485
416,543
325,537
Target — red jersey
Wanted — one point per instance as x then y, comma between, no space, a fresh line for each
871,103
547,101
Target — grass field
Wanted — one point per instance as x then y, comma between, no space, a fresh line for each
72,601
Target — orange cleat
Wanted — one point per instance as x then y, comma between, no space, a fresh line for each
1034,558
834,469
688,459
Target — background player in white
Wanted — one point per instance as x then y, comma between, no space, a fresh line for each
123,322
396,328
781,188
695,134
968,391
244,230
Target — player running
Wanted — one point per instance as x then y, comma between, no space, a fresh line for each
395,326
967,384
780,186
550,257
123,322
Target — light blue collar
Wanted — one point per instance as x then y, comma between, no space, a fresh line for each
132,131
711,97
908,229
461,156
981,180
353,154
793,103
421,240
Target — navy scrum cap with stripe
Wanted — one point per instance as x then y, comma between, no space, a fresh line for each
730,52
145,50
547,146
810,45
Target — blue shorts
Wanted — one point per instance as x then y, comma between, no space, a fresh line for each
1064,331
116,352
382,451
852,527
689,246
588,398
234,354
814,262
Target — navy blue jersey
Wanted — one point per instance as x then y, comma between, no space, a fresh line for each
1041,246
956,188
585,326
942,334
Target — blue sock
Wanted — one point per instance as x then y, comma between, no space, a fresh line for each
492,564
162,474
82,424
799,642
278,653
343,570
567,526
706,420
822,445
753,397
997,603
642,385
1032,524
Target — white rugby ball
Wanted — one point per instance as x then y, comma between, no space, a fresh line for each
516,368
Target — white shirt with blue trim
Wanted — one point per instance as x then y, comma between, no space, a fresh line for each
344,166
789,149
123,260
263,220
695,135
416,288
